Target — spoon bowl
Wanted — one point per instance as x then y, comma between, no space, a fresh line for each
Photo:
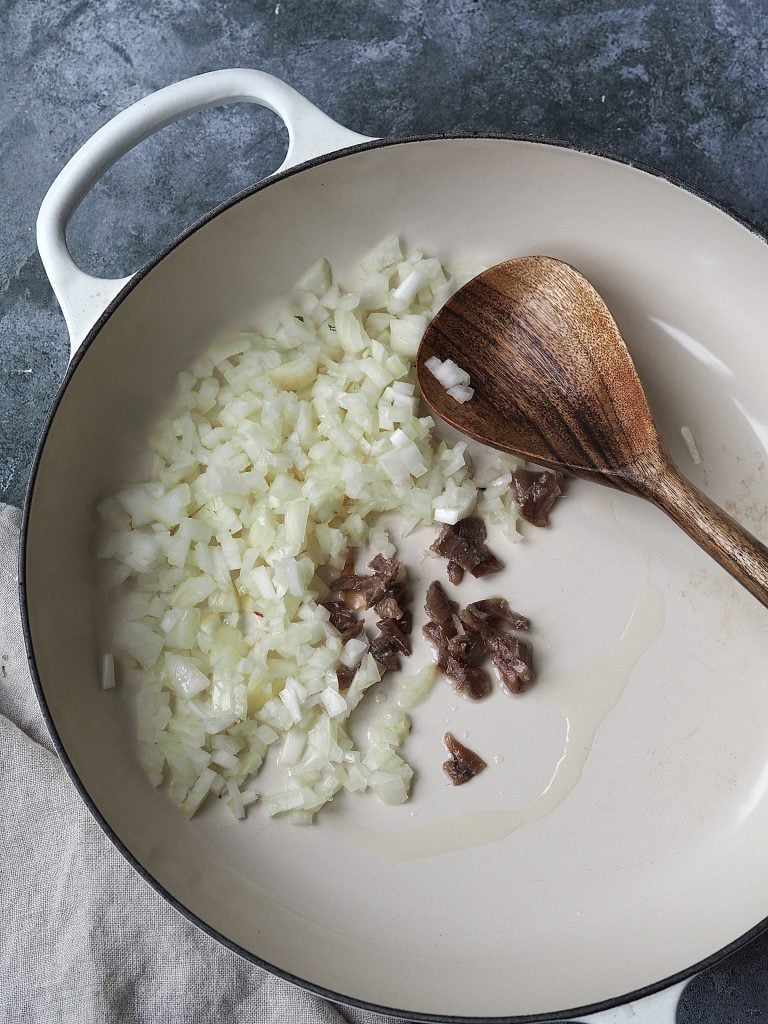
554,383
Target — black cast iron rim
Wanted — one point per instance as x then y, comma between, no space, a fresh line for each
337,997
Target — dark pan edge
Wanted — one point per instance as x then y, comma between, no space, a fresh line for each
558,1015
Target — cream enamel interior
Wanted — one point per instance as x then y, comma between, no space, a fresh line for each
656,857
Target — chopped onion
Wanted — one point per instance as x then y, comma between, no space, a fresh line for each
333,702
107,672
198,792
391,787
183,675
285,446
693,448
447,372
415,688
407,291
316,279
461,393
353,651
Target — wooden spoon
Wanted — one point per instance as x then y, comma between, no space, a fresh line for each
554,383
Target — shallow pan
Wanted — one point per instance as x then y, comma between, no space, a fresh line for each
619,845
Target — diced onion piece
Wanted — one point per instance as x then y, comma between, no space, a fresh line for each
301,818
461,393
394,721
414,689
198,792
294,742
333,702
354,650
409,288
447,372
456,502
292,695
107,672
382,756
691,445
192,591
391,787
384,255
183,675
139,642
315,279
279,803
349,330
225,760
234,799
139,501
297,374
296,515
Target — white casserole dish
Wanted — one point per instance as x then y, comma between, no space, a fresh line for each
645,862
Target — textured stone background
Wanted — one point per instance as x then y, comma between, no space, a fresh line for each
682,85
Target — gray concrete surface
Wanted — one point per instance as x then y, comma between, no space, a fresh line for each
681,85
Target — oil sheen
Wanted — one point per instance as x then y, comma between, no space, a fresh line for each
592,691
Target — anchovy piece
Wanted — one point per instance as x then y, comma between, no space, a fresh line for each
536,494
464,764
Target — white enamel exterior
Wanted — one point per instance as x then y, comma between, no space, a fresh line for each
83,298
656,858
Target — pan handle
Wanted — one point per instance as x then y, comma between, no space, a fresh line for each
660,1008
84,298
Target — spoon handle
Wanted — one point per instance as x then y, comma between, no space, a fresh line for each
736,550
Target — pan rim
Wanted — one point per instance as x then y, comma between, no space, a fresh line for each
326,993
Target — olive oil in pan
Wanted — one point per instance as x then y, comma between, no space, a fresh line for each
592,691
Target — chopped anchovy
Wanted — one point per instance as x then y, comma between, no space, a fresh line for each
472,529
388,608
468,679
467,647
536,494
453,547
490,610
437,605
386,567
405,622
344,620
455,573
464,764
438,634
512,658
488,563
398,639
463,544
384,651
381,590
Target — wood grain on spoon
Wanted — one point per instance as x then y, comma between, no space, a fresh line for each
554,383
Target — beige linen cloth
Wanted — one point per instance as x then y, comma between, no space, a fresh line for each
83,938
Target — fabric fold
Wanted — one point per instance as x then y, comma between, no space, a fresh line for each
83,938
